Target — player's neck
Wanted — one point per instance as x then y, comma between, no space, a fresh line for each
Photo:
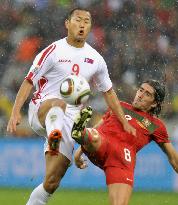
75,43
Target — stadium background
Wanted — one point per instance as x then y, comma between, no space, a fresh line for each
138,39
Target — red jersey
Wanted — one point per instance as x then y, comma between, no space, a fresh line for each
122,146
147,127
117,153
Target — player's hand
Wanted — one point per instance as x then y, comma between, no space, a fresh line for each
80,162
128,128
14,120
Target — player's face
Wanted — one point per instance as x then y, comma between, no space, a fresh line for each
79,26
144,99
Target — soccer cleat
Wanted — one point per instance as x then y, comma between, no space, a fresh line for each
53,141
80,123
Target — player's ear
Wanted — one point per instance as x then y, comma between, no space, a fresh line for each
154,104
66,23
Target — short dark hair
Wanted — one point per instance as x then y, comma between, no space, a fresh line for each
77,9
159,95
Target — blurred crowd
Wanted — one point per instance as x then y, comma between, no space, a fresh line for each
138,39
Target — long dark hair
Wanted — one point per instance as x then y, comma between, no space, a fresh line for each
159,95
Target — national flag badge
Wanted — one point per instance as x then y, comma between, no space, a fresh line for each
89,60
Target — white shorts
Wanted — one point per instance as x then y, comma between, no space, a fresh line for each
66,146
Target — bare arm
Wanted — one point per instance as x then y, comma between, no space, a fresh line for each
113,102
171,153
21,97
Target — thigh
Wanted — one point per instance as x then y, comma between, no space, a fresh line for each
93,140
119,194
98,157
33,118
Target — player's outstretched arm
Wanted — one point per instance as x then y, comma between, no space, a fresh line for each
21,97
171,153
113,102
80,162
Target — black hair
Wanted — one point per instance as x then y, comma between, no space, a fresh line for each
158,95
76,9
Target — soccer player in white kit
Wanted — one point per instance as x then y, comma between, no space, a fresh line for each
49,116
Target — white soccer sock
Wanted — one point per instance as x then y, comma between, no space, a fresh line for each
39,196
54,119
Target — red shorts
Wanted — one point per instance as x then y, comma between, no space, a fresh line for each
118,175
117,160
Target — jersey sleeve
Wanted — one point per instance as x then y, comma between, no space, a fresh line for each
160,135
102,79
41,64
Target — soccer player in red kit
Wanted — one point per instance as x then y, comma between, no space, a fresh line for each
109,147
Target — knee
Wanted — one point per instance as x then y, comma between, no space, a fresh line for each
51,183
59,103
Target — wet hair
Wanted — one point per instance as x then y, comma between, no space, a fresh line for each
158,95
77,9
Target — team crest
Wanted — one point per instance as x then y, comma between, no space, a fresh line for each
146,122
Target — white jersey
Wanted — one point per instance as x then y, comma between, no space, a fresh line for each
59,60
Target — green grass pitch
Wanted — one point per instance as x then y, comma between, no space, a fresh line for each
87,197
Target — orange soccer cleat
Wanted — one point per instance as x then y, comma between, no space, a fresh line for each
53,141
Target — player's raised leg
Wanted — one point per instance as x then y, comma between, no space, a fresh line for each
51,115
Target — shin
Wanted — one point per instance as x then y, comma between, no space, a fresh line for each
54,119
54,124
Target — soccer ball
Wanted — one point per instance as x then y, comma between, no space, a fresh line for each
75,90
